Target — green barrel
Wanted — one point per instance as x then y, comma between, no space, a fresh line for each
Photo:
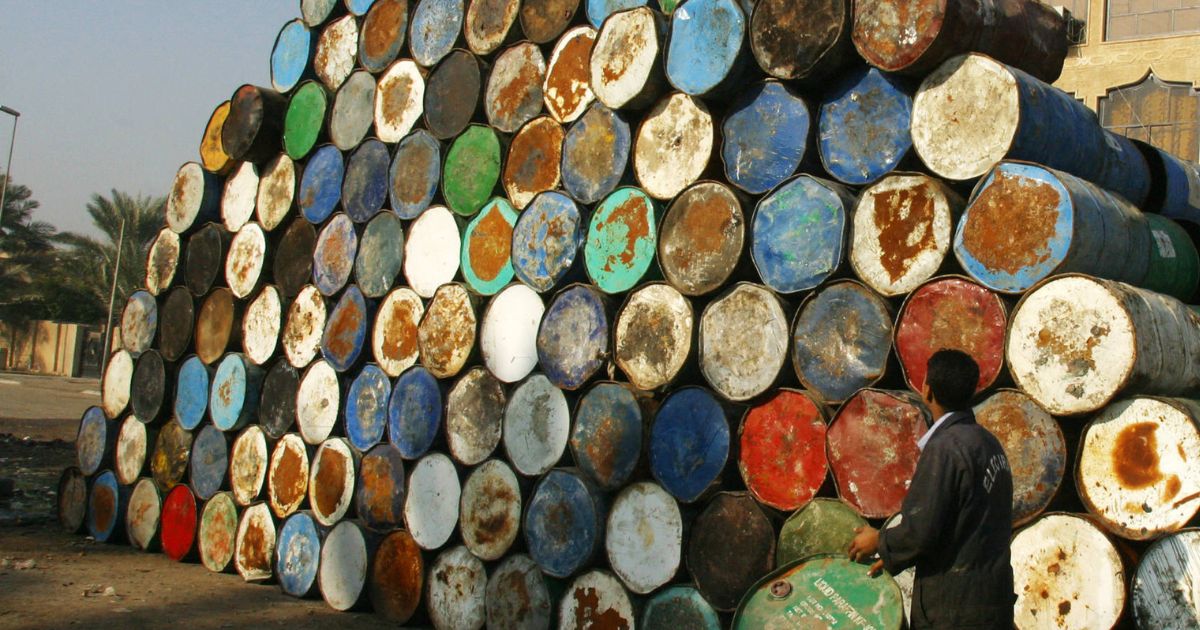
472,169
822,591
621,240
823,526
305,119
487,248
1174,264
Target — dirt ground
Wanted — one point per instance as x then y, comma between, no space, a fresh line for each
51,579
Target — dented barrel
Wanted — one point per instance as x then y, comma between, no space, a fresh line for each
595,153
298,554
822,526
872,449
799,233
806,40
702,239
743,341
490,511
414,412
573,338
863,128
547,241
379,495
606,438
564,523
534,161
415,174
781,453
689,443
1035,446
765,136
673,145
653,335
513,95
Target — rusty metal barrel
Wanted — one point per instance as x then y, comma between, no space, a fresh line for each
914,37
626,70
96,440
1135,471
1156,599
382,33
162,261
508,333
453,93
71,500
321,183
432,251
304,326
254,544
249,459
431,501
743,341
176,323
487,248
823,526
143,516
334,254
1035,446
399,100
490,24
346,329
262,323
689,443
446,335
781,453
518,595
115,386
248,255
291,55
415,174
702,238
365,187
206,250
317,12
318,402
397,578
304,122
731,546
253,130
353,111
139,322
172,451
765,136
534,161
706,47
132,450
287,475
872,448
621,240
236,389
513,95
547,241
679,607
365,418
379,495
276,192
1075,343
212,154
566,90
458,601
1067,573
192,387
537,423
673,145
826,589
240,196
216,535
337,46
596,599
395,331
345,565
653,335
841,340
806,40
595,153
179,524
564,523
606,438
331,481
215,324
293,263
414,412
106,507
277,407
195,198
208,465
298,554
863,127
474,416
573,338
490,510
799,233
644,537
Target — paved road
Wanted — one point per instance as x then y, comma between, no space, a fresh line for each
44,407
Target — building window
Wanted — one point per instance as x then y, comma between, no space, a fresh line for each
1139,19
1078,8
1166,115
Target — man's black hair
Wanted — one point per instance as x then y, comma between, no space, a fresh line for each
952,376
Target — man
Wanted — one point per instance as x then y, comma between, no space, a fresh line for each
956,521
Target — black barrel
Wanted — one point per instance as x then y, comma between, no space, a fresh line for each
253,132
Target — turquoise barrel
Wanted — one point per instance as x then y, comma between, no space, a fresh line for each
841,340
435,27
191,392
453,94
621,240
564,523
598,10
236,389
1174,263
209,462
765,136
334,255
277,408
298,554
1174,185
486,248
862,128
606,439
595,154
346,330
547,240
366,407
291,56
799,233
321,184
689,443
107,502
573,340
415,174
824,525
379,491
677,607
380,255
706,47
382,34
1067,225
824,589
415,412
365,187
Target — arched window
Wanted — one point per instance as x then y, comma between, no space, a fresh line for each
1164,114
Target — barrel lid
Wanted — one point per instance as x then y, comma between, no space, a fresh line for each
490,510
863,130
105,507
287,475
321,183
240,196
644,537
798,233
92,440
835,355
823,526
132,450
434,29
177,321
606,439
652,339
517,594
358,7
217,533
143,517
290,56
452,93
194,196
546,240
534,160
397,579
234,394
487,248
732,546
379,497
333,257
573,339
564,523
1034,444
293,258
702,238
336,49
567,90
472,170
431,501
791,40
205,257
277,411
115,387
179,523
782,455
446,335
172,451
148,387
508,335
305,119
261,325
757,153
595,600
621,240
626,56
432,251
209,462
346,330
244,264
474,416
872,449
415,412
689,443
458,601
162,261
705,45
191,392
598,10
826,589
513,95
679,607
383,31
399,101
254,550
212,153
331,480
743,341
1067,572
595,154
673,145
315,12
1157,600
488,23
249,458
303,329
318,401
365,188
298,554
276,191
537,421
394,337
366,407
415,174
72,500
247,131
353,110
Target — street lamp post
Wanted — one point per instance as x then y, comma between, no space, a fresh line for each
8,169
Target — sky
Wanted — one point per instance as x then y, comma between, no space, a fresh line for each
115,94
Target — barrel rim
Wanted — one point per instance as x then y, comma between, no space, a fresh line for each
734,61
690,353
773,298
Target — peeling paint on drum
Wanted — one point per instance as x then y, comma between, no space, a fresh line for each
446,335
702,238
195,198
248,462
287,475
517,594
209,463
490,510
824,525
1035,446
162,261
336,50
488,24
765,136
486,254
644,537
547,240
564,523
304,326
1158,598
298,554
331,481
94,440
533,162
261,326
383,31
435,27
130,457
318,402
333,257
217,533
240,196
799,233
566,90
626,68
606,438
346,330
397,578
143,516
457,590
596,599
652,338
781,454
380,255
431,501
394,338
169,461
247,257
595,154
621,240
743,341
399,100
872,449
139,322
513,95
573,339
474,416
276,192
254,550
863,129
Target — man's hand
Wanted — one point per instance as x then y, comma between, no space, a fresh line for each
864,546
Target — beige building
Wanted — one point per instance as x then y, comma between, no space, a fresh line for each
1138,66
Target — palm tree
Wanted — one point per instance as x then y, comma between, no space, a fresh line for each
25,248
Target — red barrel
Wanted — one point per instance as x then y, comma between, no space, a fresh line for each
782,455
872,449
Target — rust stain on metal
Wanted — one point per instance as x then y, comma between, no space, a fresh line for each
491,245
1135,456
706,227
447,332
330,480
384,26
791,37
879,26
253,552
378,485
1078,359
489,517
904,219
104,505
400,335
601,447
589,615
289,480
395,108
342,330
518,90
633,215
214,325
543,20
534,160
567,84
413,180
1010,201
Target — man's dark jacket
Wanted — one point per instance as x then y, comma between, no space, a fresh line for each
954,526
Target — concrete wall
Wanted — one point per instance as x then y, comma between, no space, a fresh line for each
42,347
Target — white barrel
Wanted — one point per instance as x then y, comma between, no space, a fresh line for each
337,48
1075,342
132,446
743,341
431,501
394,336
1137,469
240,196
517,596
287,475
1067,574
652,338
537,425
244,262
1166,586
304,327
596,599
190,196
626,58
248,462
216,535
399,100
490,510
254,551
673,145
276,192
474,416
457,592
143,516
139,322
114,390
318,401
446,335
345,558
644,537
508,336
513,95
331,481
566,90
432,251
162,261
261,325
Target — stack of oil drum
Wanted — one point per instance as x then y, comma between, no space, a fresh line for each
594,313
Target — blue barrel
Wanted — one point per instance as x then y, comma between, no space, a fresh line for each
841,340
1066,225
107,501
487,248
95,443
606,440
799,231
679,607
1125,170
236,390
435,27
689,443
379,491
706,47
595,154
334,255
416,173
766,136
622,240
862,128
380,255
415,412
572,342
564,523
598,10
290,58
209,463
367,407
346,330
547,241
298,554
359,7
365,187
1174,185
191,392
383,33
321,183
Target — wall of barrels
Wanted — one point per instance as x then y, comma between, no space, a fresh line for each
611,313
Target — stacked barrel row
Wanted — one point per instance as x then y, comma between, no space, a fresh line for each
605,314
